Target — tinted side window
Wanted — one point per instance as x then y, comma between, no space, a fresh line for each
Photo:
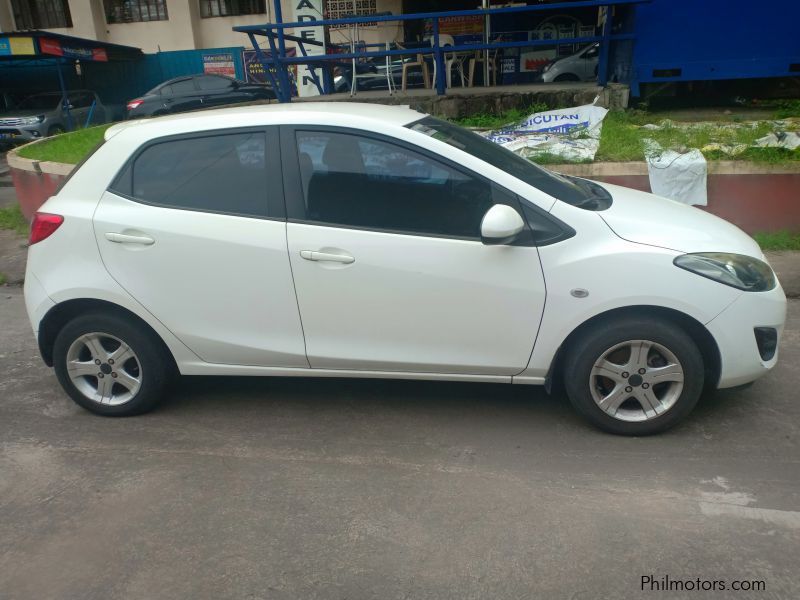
211,82
221,173
80,100
179,87
362,182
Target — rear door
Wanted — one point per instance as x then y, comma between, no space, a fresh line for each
194,229
181,95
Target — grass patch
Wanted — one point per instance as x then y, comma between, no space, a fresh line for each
786,109
622,139
494,121
11,218
781,240
67,147
548,158
3,278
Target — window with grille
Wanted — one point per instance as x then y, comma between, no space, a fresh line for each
135,11
229,8
339,9
41,14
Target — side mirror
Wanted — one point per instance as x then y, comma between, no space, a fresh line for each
501,225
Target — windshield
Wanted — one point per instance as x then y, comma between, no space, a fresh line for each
41,102
578,192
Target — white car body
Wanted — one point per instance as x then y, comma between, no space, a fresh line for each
581,66
231,295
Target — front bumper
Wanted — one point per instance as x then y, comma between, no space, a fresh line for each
734,331
20,133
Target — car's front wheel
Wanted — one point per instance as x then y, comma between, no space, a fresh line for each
110,366
634,376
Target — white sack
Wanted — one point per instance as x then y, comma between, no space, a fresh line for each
680,177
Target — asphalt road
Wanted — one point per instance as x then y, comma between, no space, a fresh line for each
301,488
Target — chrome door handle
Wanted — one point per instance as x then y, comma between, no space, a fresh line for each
124,238
326,257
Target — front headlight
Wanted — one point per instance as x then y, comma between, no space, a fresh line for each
736,270
546,68
32,120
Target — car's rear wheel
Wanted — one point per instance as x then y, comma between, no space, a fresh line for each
109,366
635,376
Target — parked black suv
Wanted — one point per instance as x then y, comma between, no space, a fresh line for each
195,92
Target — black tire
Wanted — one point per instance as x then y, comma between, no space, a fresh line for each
55,130
592,345
567,77
155,366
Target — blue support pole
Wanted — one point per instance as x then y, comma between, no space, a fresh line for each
90,115
285,89
602,63
437,56
279,20
64,98
264,64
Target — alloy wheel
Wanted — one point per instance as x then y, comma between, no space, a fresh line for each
104,368
636,380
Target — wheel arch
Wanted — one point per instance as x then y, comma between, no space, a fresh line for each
62,313
712,360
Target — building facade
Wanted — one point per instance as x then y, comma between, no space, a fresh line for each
154,25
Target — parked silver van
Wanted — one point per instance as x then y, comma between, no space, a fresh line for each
581,66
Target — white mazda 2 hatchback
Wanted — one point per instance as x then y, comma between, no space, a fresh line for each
354,240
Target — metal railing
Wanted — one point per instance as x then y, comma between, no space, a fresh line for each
277,37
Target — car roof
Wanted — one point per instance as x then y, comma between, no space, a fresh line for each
317,113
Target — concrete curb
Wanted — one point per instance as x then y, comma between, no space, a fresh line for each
15,161
639,168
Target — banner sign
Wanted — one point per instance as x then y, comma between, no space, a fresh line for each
254,70
56,48
467,25
219,64
571,133
17,46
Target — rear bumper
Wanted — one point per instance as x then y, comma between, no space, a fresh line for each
734,331
37,302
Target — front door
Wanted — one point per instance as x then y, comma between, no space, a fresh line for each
194,230
388,265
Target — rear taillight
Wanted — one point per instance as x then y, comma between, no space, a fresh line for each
134,103
43,226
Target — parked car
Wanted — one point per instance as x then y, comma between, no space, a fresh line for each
372,75
581,66
407,246
192,93
49,113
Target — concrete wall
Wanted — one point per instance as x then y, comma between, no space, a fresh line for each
185,29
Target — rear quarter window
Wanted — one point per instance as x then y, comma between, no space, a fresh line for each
224,173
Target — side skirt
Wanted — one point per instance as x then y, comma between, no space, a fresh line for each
201,368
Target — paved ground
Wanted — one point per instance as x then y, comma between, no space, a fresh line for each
284,488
